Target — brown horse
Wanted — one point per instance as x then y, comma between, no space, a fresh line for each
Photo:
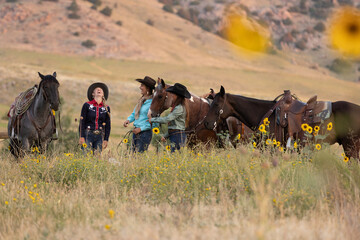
198,107
345,117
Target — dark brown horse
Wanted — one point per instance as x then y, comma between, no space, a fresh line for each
197,108
34,125
345,117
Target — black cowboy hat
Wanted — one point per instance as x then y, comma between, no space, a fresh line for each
179,90
147,81
97,85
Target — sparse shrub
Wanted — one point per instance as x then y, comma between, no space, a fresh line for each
73,6
74,15
208,8
168,8
88,43
346,2
320,27
119,23
194,3
318,13
95,2
340,65
206,24
150,22
106,11
294,32
324,4
287,21
76,34
301,44
11,1
183,13
94,7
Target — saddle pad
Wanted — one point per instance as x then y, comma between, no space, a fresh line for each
325,111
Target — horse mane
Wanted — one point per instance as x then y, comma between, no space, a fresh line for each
47,78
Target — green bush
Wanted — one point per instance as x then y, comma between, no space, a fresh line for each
88,43
320,27
106,11
340,65
150,22
287,21
73,6
95,2
74,15
168,8
119,23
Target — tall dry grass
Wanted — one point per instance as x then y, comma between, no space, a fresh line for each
239,193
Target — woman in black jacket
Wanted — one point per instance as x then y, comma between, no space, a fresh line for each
95,122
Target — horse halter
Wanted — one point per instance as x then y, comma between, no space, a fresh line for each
221,111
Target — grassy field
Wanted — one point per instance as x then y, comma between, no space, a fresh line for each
208,194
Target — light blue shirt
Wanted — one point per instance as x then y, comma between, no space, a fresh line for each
142,122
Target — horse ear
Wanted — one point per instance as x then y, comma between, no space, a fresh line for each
211,91
222,91
41,76
163,83
54,74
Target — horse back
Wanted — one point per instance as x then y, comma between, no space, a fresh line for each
346,117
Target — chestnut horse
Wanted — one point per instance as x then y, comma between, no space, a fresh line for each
198,108
345,117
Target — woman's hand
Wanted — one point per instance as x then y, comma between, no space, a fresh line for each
105,144
136,130
149,120
126,123
81,141
163,139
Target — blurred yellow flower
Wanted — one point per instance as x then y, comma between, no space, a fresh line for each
268,141
246,33
111,213
295,145
168,147
304,126
156,130
125,140
84,145
266,122
343,154
329,126
6,202
316,128
346,159
53,111
254,144
345,31
318,146
107,227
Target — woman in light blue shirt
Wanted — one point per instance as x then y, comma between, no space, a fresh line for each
142,132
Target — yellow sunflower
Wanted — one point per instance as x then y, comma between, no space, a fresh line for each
318,146
278,143
53,111
262,128
345,31
295,145
304,126
84,145
274,141
343,155
168,147
346,159
156,130
329,126
125,140
246,33
316,128
238,136
254,144
268,141
266,122
309,129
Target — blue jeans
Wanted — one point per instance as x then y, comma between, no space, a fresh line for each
141,141
177,139
94,141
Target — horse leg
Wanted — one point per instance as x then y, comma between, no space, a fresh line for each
351,148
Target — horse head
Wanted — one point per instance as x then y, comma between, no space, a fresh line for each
49,88
219,110
161,99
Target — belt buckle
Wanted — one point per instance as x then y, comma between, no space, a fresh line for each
97,132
